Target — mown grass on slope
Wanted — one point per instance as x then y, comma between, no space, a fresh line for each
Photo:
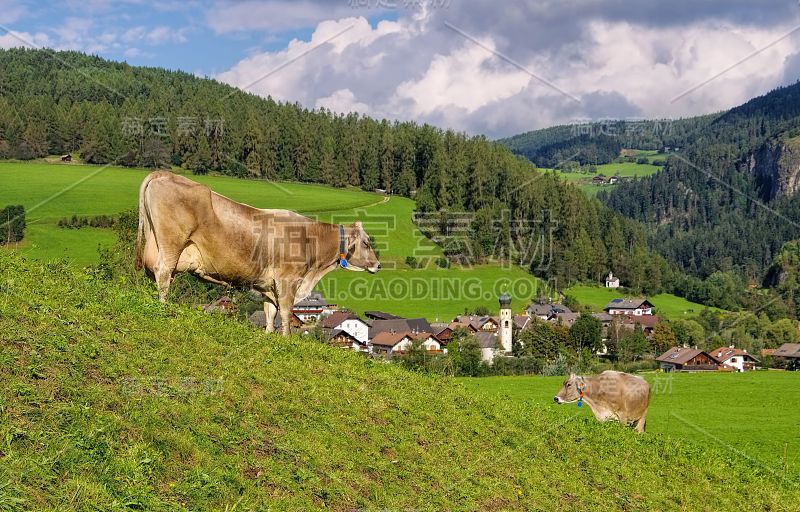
667,305
112,401
53,191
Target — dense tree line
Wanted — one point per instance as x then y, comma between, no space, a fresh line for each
153,117
652,134
584,150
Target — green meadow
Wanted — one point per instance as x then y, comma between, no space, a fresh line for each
53,191
667,305
623,169
748,415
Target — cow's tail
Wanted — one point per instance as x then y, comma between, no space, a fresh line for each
140,235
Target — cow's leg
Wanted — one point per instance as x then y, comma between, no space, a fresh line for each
270,311
640,424
164,269
287,291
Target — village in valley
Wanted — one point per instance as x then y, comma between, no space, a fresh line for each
387,336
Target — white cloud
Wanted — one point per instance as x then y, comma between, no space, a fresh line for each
416,69
342,101
15,39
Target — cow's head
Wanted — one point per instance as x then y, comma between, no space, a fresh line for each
361,255
571,390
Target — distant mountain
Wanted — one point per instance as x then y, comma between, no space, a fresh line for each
600,142
725,201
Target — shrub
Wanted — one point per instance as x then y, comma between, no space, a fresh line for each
12,224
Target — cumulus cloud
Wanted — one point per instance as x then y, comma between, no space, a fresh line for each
14,39
500,71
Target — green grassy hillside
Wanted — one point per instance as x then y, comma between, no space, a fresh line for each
112,401
624,169
666,304
53,191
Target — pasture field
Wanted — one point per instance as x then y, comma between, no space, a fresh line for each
624,169
113,401
53,191
667,305
746,414
435,293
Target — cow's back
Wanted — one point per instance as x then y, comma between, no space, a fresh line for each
629,394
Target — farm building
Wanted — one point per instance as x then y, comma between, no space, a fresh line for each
66,158
546,310
311,308
788,353
521,321
442,332
343,339
478,323
389,344
735,358
349,323
686,359
635,307
647,322
399,325
565,319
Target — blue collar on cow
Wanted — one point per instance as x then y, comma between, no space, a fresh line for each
343,255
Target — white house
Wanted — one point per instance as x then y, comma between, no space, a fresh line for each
611,281
311,308
349,323
736,358
634,307
490,345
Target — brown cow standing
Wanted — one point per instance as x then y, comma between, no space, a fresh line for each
610,395
185,227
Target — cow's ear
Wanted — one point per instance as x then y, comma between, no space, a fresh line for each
572,375
357,224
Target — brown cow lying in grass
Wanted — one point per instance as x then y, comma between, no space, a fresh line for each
611,396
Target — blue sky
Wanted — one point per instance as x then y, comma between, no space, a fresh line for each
175,35
473,65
